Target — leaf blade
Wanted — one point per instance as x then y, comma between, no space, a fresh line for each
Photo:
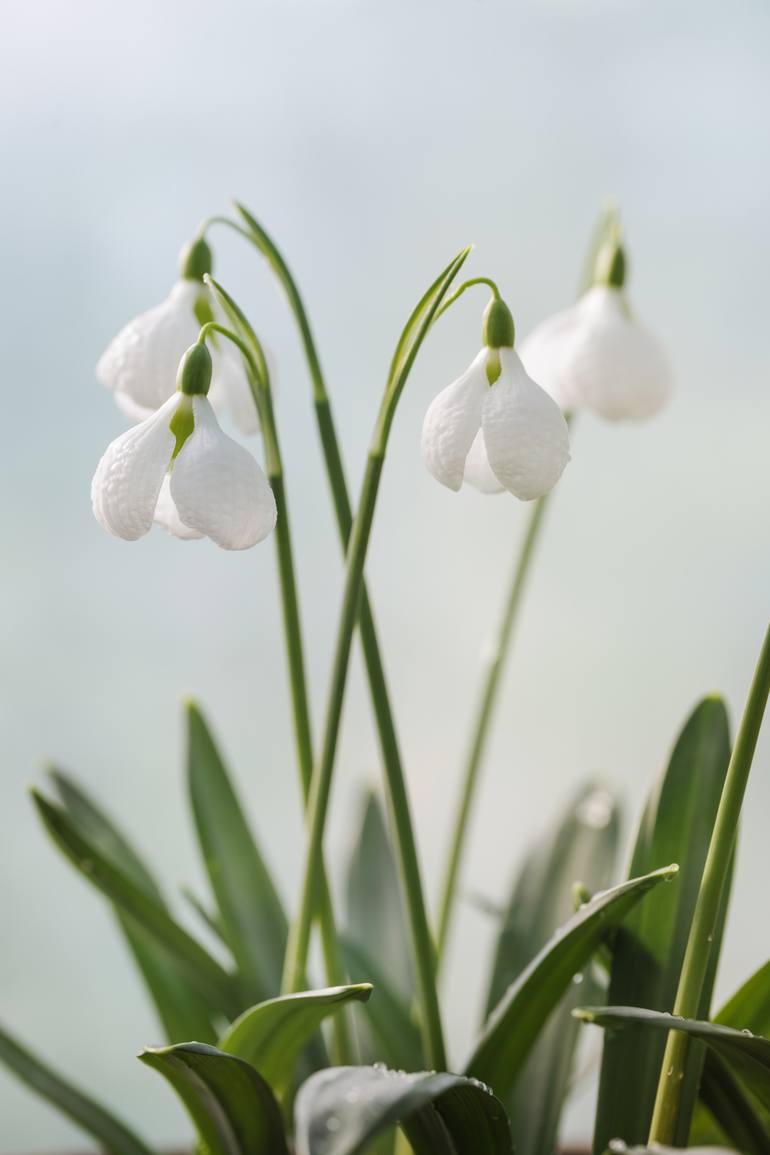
208,977
271,1035
516,1021
80,1108
346,1107
231,1105
580,847
649,949
250,909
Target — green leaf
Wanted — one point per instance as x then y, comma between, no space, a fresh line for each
395,1036
581,847
747,1056
739,1117
232,1106
182,1011
271,1035
376,921
250,910
82,1110
518,1018
649,949
203,972
422,316
749,1007
341,1110
659,1150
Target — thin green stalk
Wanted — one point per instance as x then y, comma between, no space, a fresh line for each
259,381
706,916
398,800
299,938
480,732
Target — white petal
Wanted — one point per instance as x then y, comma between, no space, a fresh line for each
478,471
452,421
142,361
230,390
217,486
618,368
525,433
125,488
167,514
546,355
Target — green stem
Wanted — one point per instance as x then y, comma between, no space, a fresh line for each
398,800
706,916
259,381
480,732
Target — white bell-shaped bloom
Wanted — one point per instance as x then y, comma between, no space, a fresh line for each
212,487
596,356
507,435
139,365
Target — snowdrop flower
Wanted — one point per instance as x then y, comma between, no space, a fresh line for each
596,355
140,363
493,426
178,468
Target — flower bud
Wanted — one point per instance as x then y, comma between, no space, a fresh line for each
497,328
194,375
195,260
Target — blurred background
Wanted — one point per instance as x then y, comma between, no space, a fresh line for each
373,140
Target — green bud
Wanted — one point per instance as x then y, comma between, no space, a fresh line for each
610,266
195,260
194,375
182,424
497,328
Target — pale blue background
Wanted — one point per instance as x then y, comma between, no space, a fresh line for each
374,139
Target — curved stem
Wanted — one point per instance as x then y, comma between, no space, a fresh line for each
469,285
299,939
259,381
707,907
480,732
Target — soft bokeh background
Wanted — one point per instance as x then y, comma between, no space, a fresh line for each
373,139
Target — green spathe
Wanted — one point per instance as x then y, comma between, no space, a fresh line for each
497,328
195,260
194,374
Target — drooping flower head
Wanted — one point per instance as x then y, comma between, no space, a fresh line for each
596,355
139,364
494,427
179,469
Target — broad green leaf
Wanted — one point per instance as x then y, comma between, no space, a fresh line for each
271,1035
749,1007
182,1011
746,1055
741,1119
649,949
250,910
113,1136
339,1111
231,1105
581,847
395,1036
203,972
518,1018
376,920
735,1115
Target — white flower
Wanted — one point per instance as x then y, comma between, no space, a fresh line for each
509,435
212,487
596,356
139,365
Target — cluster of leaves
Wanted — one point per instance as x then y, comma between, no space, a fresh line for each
257,1077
